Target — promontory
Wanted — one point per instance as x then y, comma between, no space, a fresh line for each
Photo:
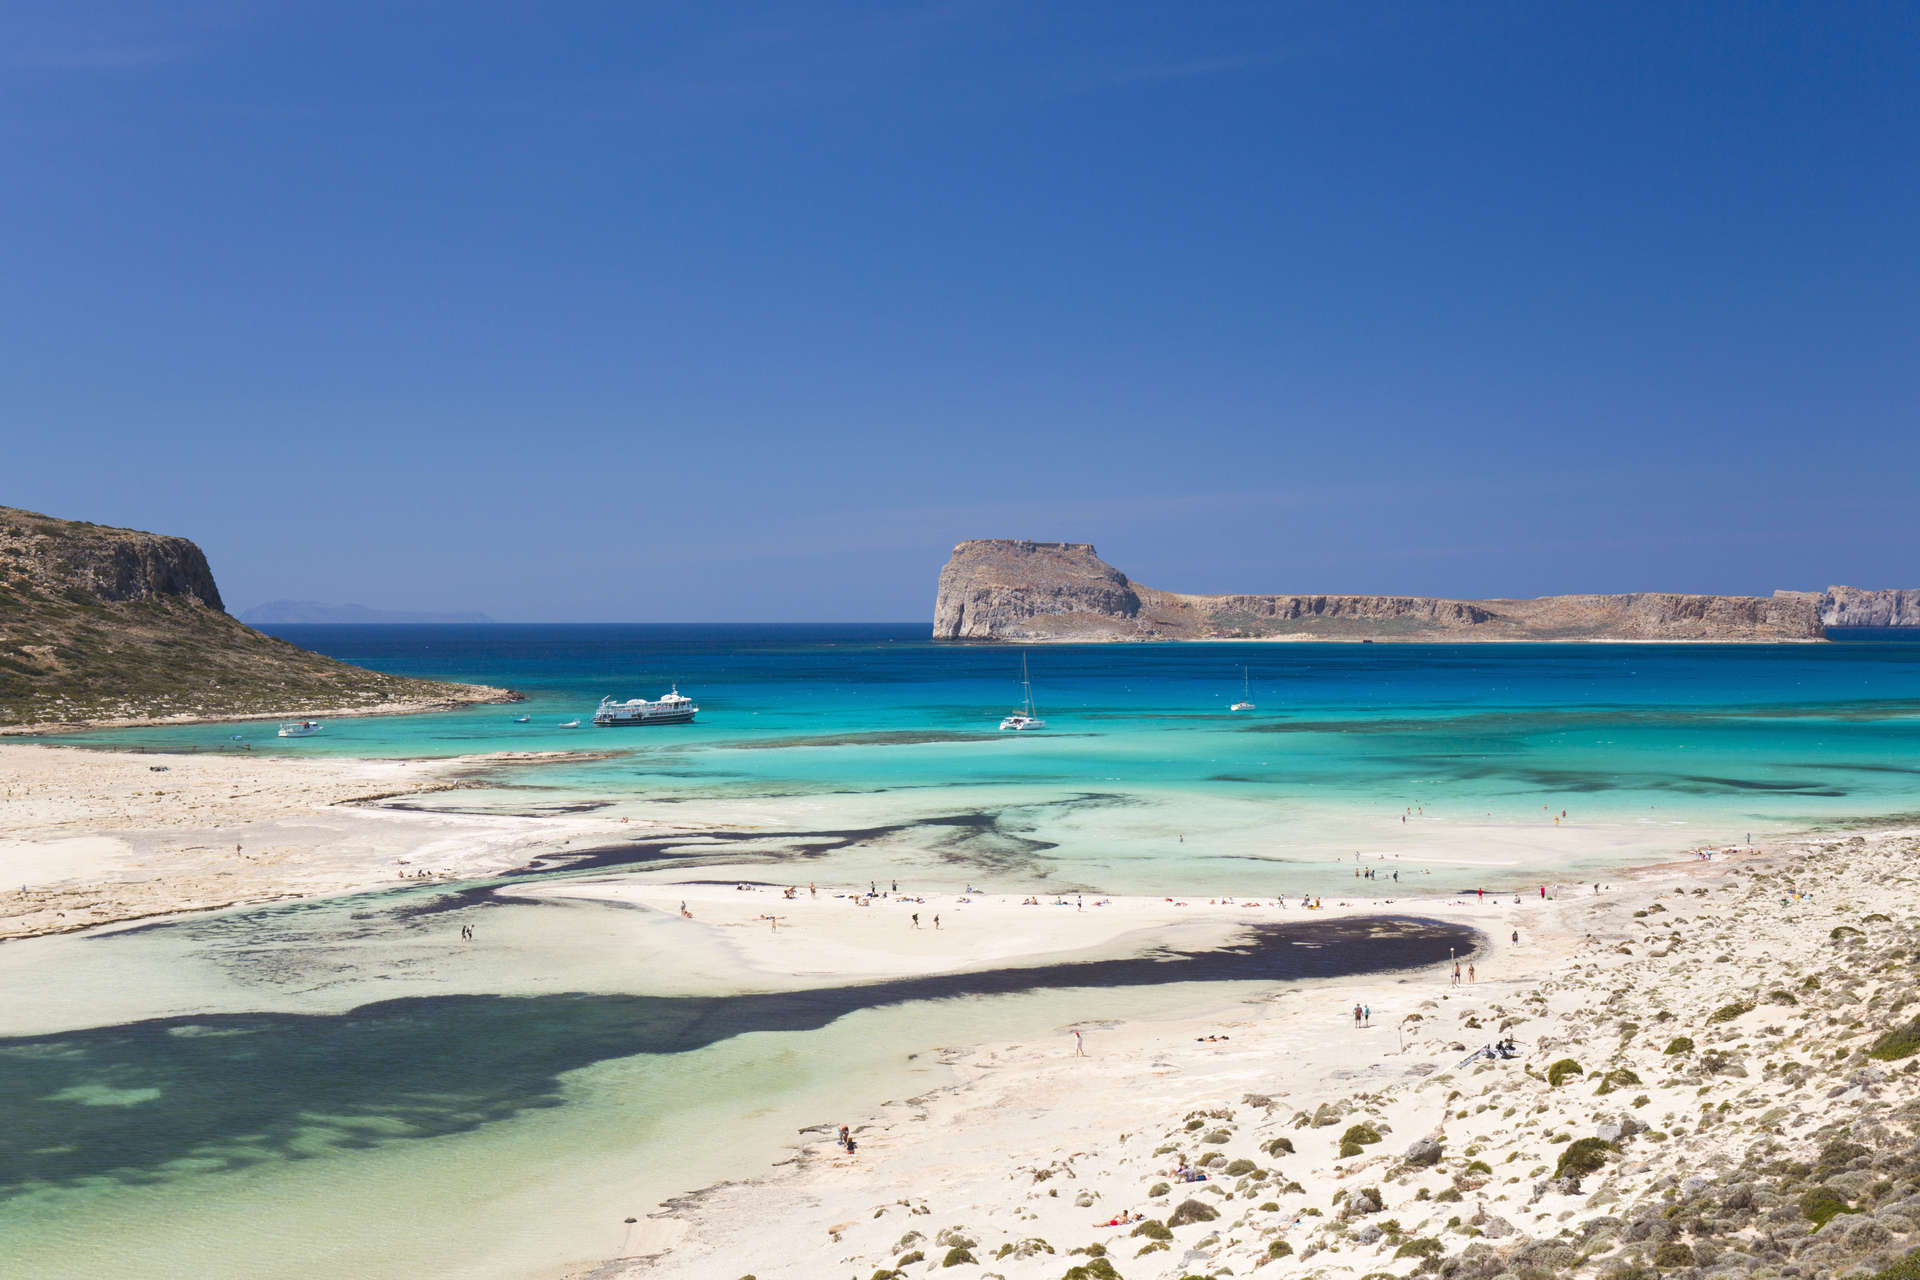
1000,589
114,626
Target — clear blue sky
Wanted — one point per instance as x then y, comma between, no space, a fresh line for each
634,311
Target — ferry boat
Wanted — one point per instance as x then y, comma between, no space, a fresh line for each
674,708
1024,717
299,728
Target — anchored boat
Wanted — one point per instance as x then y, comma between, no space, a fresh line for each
674,708
1024,718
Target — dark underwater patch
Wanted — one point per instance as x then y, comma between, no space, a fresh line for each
241,1089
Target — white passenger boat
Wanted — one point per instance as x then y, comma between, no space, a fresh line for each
674,708
1024,718
569,724
299,728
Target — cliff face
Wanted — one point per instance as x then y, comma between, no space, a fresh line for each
999,590
102,624
1853,607
992,589
105,563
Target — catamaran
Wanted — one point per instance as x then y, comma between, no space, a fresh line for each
1024,718
673,708
1246,692
299,728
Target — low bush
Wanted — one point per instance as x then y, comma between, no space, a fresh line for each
1562,1071
1822,1204
1901,1042
1582,1157
1728,1012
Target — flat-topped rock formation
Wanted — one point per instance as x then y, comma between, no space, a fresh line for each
103,625
995,589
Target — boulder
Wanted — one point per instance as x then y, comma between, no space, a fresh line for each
1425,1152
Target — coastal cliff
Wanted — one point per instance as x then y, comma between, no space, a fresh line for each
994,589
1853,607
105,625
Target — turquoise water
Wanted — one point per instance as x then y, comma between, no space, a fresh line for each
1143,779
329,1088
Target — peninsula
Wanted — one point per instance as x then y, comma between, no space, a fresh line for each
999,589
115,626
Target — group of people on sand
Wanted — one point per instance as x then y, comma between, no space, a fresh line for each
1205,1039
1184,1172
1362,1015
1122,1219
846,1140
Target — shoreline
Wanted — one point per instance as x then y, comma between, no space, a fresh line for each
94,837
1307,638
820,1211
980,1157
484,695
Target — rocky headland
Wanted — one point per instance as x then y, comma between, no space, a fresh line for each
116,626
999,589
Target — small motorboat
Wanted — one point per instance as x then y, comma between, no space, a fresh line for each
569,724
522,719
299,728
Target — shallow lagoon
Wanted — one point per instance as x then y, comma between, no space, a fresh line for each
330,1087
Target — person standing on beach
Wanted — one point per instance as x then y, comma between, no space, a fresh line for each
1366,1015
916,919
1356,1015
1516,937
936,922
1079,1044
1470,974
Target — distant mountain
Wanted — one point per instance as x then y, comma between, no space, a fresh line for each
299,611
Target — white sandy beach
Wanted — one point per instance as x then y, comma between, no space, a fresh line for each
94,837
1021,1161
1029,1146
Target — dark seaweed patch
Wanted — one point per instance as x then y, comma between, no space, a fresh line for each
240,1089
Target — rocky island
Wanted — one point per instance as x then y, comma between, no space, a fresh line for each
115,626
999,589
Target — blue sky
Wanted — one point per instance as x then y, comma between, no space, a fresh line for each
638,311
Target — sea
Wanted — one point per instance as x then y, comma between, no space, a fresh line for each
326,1087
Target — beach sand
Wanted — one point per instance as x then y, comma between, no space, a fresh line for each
1718,1024
1717,1016
94,837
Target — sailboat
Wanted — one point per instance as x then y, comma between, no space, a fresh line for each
1024,717
1246,693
